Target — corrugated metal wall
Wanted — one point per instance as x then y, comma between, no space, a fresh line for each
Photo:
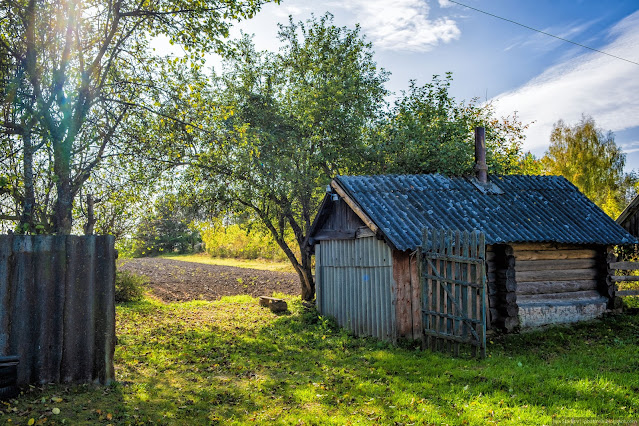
354,284
57,307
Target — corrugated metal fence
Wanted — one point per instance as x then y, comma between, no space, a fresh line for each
57,307
354,282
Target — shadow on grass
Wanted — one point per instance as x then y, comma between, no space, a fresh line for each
234,362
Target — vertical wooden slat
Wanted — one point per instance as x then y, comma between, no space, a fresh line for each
428,288
441,344
476,293
466,291
420,268
458,288
437,290
482,274
434,290
449,286
454,290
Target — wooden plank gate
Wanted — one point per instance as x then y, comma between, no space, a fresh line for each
453,269
628,276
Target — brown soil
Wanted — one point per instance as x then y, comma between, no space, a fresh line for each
175,280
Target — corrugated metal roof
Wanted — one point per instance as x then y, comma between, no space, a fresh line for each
530,209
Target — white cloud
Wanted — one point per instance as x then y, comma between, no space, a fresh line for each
592,83
402,24
630,147
544,42
285,9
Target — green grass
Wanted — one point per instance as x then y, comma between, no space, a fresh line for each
232,362
266,265
631,301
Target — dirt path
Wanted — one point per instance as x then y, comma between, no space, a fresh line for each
175,280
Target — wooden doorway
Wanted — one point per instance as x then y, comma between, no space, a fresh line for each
454,291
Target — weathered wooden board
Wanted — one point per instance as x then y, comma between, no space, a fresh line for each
624,278
403,294
332,234
545,246
554,254
454,291
624,266
358,211
557,275
546,265
364,232
541,287
573,295
627,293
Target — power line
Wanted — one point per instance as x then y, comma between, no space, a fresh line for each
543,32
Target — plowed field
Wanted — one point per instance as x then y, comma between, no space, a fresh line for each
176,280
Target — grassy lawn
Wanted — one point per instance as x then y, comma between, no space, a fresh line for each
266,265
232,362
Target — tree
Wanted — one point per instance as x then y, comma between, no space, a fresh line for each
428,131
590,159
72,72
166,229
274,129
304,112
277,128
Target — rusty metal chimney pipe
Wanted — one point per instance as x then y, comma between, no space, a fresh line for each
481,169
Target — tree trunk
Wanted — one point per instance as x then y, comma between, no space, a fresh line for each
88,228
27,217
303,269
62,211
305,273
63,208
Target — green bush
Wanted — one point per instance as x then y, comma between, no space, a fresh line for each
241,242
129,287
167,228
164,235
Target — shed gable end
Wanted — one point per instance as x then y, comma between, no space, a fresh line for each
337,221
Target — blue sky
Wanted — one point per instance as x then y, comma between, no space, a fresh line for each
542,78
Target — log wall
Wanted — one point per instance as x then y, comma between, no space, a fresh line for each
57,307
502,298
557,283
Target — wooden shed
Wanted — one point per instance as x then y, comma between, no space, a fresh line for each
545,250
629,218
